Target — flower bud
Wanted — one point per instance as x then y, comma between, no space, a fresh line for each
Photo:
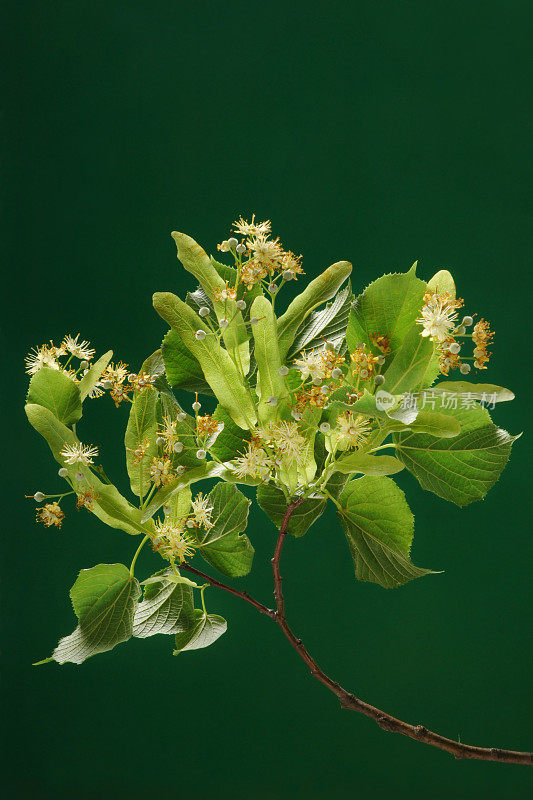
336,373
324,389
233,242
190,523
288,275
241,305
460,331
240,249
203,311
196,406
283,370
224,246
296,415
273,288
177,447
253,320
79,476
107,384
131,377
182,416
380,360
363,373
62,472
317,381
455,347
272,401
223,322
325,427
379,380
201,454
84,364
39,497
467,321
465,369
160,441
199,335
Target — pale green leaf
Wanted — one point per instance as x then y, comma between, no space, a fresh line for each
273,502
167,606
318,291
379,528
368,464
207,628
267,355
183,370
217,366
486,392
109,506
224,545
328,323
441,282
414,366
461,469
56,391
141,430
103,599
94,373
388,306
232,441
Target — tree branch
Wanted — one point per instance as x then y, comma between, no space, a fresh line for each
347,700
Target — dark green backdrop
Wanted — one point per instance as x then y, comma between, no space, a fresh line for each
379,132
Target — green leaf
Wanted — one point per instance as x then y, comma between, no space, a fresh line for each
141,430
461,469
433,422
321,289
207,628
167,607
272,501
390,306
486,392
223,545
104,599
109,506
442,281
368,464
232,441
182,368
379,528
329,323
267,355
414,366
93,375
163,495
56,391
218,368
196,261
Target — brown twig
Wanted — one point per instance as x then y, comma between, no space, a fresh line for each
347,700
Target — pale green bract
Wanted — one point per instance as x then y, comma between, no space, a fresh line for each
284,411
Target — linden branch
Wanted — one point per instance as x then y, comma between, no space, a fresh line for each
347,699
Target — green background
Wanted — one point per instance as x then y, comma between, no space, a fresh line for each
379,132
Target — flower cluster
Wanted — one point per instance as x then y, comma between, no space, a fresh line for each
50,514
318,364
482,336
172,539
255,463
258,256
161,471
79,453
350,431
48,355
439,322
285,440
364,363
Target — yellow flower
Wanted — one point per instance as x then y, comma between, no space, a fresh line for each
50,514
115,372
80,350
351,431
79,453
161,471
227,293
286,439
253,228
40,357
171,542
255,463
438,316
202,510
86,498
